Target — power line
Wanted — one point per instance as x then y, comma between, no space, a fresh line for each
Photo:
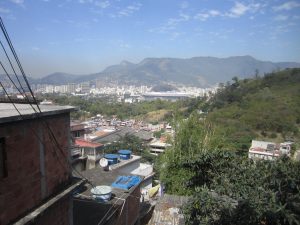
12,69
11,80
16,58
23,118
106,215
31,92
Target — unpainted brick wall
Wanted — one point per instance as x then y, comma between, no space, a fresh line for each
21,191
58,214
131,209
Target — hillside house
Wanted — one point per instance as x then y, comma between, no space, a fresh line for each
268,150
35,174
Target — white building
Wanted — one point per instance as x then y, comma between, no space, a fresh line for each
171,96
158,147
268,150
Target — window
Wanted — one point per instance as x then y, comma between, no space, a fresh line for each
3,169
77,133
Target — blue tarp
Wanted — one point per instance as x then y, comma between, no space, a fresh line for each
126,182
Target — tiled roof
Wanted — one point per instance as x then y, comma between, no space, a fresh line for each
84,143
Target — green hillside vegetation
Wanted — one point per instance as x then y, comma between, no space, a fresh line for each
153,111
267,108
226,187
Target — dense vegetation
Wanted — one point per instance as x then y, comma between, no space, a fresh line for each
105,106
225,187
266,107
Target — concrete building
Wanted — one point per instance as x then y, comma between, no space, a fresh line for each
134,166
35,176
85,87
159,146
71,88
120,208
171,96
77,130
91,150
79,160
268,150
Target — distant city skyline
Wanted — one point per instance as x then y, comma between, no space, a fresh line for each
86,36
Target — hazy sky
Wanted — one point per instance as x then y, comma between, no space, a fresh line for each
85,36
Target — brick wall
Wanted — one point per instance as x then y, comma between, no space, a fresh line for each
58,214
131,209
24,188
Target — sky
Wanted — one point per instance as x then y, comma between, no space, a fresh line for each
86,36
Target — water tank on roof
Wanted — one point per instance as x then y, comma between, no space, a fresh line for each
126,182
101,193
111,158
124,154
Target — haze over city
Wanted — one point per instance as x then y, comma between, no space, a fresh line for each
85,36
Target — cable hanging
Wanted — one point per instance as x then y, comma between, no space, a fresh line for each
52,136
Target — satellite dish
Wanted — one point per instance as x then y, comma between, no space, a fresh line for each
103,162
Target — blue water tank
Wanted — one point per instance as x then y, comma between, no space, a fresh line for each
111,158
126,182
124,154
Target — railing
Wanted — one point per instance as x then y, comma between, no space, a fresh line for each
75,151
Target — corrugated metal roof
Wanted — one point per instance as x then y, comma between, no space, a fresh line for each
167,210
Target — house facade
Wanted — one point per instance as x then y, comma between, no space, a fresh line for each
35,171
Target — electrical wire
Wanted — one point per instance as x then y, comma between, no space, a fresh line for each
106,214
22,116
119,213
31,92
11,101
17,59
11,65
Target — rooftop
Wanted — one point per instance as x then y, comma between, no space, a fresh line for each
101,133
8,113
167,210
76,126
98,176
165,94
269,148
122,163
85,143
118,134
160,144
89,211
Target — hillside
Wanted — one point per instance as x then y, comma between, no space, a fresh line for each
197,71
58,78
225,186
267,107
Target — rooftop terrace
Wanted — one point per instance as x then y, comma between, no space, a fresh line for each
8,113
89,211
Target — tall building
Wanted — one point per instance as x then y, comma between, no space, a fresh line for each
71,88
85,87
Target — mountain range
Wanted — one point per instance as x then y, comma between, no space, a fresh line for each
196,71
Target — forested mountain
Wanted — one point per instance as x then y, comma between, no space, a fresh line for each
197,71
